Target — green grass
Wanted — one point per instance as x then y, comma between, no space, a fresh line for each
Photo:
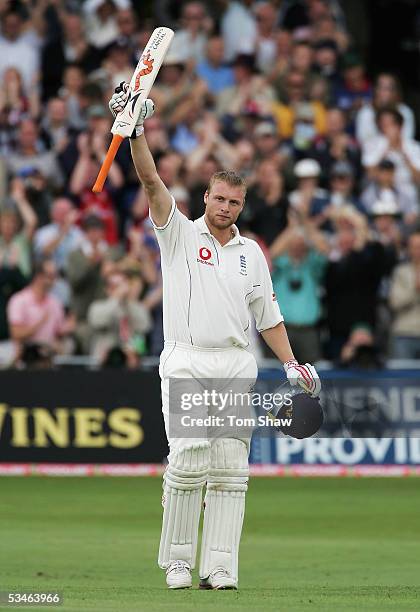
308,544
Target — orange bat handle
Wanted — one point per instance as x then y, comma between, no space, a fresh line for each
103,172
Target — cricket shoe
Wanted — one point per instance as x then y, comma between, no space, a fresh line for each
178,575
219,579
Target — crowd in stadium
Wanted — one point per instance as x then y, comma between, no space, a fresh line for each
277,92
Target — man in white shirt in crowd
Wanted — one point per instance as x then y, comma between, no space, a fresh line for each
213,280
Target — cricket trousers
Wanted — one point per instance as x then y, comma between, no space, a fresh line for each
202,458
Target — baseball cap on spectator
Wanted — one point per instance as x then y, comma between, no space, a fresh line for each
386,164
307,168
265,128
388,207
342,168
97,111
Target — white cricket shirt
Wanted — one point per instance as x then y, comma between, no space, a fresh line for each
209,290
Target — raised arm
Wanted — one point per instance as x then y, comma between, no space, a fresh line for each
160,200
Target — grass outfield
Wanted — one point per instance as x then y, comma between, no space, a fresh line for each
308,544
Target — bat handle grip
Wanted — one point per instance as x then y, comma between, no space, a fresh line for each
106,164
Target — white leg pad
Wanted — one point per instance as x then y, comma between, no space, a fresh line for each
224,506
183,484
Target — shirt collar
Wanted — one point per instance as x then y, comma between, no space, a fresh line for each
203,228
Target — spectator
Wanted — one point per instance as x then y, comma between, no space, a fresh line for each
404,299
71,91
266,18
326,58
360,351
382,187
300,61
119,322
29,155
386,230
67,45
55,126
266,208
212,69
60,237
336,144
353,275
299,260
239,29
35,316
342,187
392,145
15,245
268,144
308,198
14,106
297,118
19,49
387,94
85,267
190,41
355,91
101,21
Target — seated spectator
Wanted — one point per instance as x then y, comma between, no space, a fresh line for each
385,224
56,130
353,276
66,44
282,60
356,90
266,17
386,94
342,186
393,145
297,118
308,197
92,148
382,187
335,145
299,260
119,322
14,106
239,29
212,69
326,58
84,271
35,316
265,213
117,66
268,145
404,299
15,243
249,91
299,61
71,92
19,48
57,240
29,155
190,41
101,21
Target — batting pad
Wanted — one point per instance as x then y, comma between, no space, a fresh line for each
183,483
224,506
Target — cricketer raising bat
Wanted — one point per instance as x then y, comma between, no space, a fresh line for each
139,89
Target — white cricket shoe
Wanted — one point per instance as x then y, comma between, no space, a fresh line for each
178,575
219,579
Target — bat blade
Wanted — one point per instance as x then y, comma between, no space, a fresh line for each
142,80
140,85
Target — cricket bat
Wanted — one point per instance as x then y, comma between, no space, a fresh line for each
139,89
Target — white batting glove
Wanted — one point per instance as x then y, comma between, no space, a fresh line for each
119,100
303,375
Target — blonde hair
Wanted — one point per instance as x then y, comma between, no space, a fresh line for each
228,176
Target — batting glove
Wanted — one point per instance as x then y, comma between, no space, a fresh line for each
118,102
303,375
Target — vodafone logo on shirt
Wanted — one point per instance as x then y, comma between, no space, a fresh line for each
204,254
